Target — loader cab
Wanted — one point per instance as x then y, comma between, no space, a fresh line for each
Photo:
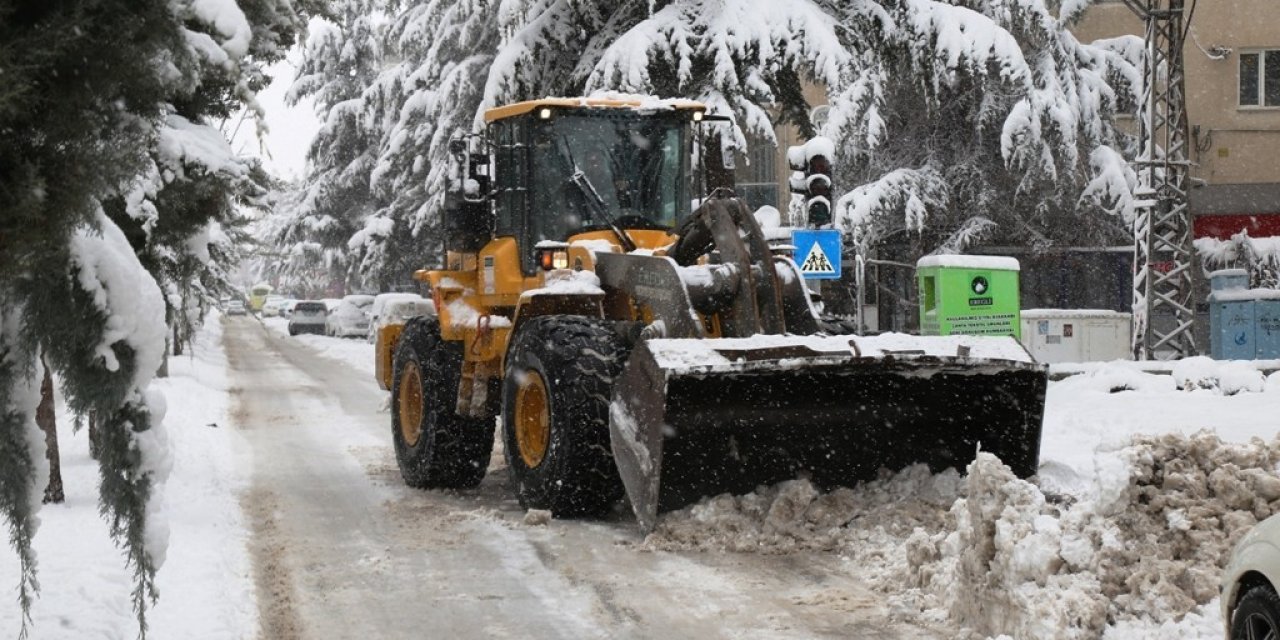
568,167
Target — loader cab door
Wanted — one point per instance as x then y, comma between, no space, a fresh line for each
633,164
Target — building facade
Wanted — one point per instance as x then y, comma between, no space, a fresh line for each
1232,63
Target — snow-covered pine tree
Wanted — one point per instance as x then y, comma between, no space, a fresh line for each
958,121
103,108
741,58
455,59
342,57
1004,134
443,51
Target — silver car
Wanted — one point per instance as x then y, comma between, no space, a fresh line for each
348,320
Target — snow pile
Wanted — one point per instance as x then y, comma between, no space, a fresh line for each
1225,377
994,554
206,584
1222,377
1110,378
563,282
796,516
694,355
463,316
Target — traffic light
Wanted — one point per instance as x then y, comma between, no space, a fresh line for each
811,163
818,179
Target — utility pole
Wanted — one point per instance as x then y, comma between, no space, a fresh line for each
1163,308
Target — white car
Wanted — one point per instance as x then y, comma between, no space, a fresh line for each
309,316
348,321
400,311
381,301
286,311
271,307
1250,602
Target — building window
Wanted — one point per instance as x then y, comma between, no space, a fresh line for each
758,181
1260,78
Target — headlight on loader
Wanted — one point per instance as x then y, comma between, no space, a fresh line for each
550,259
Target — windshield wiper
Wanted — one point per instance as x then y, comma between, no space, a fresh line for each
594,202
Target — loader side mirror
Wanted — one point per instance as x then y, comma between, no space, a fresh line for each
468,216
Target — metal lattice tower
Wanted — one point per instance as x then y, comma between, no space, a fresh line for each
1163,310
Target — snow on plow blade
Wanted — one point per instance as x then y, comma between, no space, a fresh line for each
700,417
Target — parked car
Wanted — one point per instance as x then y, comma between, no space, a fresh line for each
286,311
381,301
348,320
271,308
362,300
309,316
1250,601
236,308
400,311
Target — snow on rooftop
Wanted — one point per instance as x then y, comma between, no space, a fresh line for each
641,102
1072,313
1227,273
969,262
1240,295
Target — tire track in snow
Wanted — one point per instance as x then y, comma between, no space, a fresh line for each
273,581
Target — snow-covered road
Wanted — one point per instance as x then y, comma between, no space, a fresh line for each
341,548
289,519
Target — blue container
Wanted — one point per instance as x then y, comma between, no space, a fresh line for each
1232,330
1233,338
1267,329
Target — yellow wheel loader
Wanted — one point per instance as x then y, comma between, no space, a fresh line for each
629,342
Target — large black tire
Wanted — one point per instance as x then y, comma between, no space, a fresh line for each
576,359
1257,616
445,450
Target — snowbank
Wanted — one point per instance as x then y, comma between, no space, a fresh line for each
1121,536
205,586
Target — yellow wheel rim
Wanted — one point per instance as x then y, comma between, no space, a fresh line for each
533,419
411,403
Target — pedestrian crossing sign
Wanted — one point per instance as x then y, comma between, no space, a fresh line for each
817,253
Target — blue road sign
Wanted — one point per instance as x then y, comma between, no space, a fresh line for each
817,253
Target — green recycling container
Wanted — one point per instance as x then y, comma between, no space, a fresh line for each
969,295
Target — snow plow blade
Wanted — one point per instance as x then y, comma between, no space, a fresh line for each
699,417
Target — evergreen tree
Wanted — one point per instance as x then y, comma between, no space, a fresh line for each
959,121
1007,135
342,58
109,157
